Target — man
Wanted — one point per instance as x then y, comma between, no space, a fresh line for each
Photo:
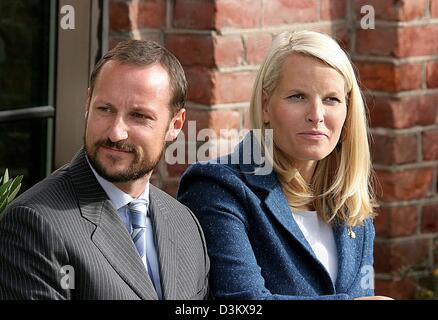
96,228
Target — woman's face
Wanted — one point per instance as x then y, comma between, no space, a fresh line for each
307,109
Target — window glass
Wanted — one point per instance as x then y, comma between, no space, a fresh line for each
24,53
23,149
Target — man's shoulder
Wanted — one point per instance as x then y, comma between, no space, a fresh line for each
56,189
179,214
165,198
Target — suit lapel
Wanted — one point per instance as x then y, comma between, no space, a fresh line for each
110,235
166,248
113,240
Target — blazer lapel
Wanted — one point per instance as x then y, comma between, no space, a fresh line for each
350,252
166,248
277,204
110,235
269,188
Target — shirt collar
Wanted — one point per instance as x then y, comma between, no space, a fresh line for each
118,198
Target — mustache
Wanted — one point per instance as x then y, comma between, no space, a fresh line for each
119,145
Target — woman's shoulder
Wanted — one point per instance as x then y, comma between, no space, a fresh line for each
245,160
213,169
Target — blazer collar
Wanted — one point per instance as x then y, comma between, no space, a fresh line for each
109,235
349,250
269,188
253,165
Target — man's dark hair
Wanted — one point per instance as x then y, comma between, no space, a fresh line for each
145,53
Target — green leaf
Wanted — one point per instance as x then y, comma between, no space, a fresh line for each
4,188
6,176
14,192
15,182
9,189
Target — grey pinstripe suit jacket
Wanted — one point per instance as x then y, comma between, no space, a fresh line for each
67,220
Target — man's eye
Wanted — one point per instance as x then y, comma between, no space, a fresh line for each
104,109
138,115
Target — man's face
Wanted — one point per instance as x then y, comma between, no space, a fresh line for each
128,120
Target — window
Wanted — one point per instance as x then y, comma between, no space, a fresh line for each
44,73
26,88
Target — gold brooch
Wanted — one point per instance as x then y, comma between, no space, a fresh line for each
351,233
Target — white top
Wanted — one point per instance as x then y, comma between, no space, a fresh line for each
320,237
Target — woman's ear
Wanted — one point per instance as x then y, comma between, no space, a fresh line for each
265,107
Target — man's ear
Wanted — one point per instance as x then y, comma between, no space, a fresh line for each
175,125
87,104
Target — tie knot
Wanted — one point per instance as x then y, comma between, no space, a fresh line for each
139,205
137,212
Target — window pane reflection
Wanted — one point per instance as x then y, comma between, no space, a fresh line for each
23,149
24,53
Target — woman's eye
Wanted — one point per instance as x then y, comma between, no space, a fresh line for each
296,97
333,100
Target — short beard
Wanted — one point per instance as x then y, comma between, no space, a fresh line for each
135,171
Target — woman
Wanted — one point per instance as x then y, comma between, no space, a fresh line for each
303,230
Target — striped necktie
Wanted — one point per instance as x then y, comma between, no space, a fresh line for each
137,217
141,227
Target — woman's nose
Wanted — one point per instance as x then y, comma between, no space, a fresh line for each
316,111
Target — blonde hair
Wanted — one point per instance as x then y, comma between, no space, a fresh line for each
340,187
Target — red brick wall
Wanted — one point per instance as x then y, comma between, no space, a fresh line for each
397,63
221,43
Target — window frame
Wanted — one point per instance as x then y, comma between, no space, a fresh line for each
72,56
78,50
46,111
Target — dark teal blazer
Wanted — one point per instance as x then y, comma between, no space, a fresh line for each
256,248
